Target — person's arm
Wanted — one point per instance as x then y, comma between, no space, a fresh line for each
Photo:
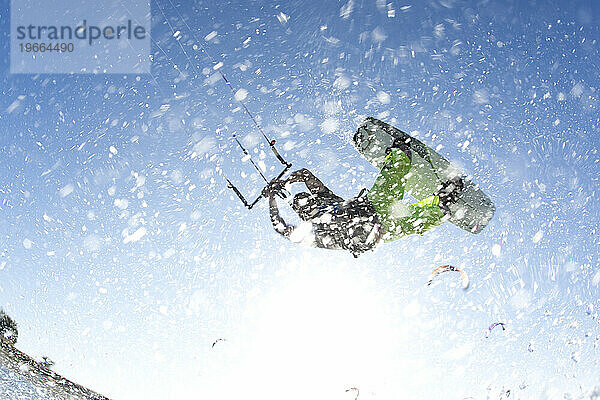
317,239
278,223
313,183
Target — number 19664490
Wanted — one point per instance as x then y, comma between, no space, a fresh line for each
46,47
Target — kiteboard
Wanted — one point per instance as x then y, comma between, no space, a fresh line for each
429,171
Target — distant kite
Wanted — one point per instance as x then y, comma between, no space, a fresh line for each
492,326
356,390
217,341
445,268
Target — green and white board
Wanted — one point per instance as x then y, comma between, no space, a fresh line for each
429,170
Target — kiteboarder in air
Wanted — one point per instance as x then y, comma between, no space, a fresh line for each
358,224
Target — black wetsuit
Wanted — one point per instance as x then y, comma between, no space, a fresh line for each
351,225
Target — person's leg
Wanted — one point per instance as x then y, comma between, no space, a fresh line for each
389,184
398,218
417,218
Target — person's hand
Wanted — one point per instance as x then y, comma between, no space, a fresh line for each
266,192
275,187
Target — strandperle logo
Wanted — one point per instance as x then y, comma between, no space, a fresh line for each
61,36
82,32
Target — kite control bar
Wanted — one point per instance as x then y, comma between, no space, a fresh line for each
241,196
281,160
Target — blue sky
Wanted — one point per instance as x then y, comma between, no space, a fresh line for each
509,92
